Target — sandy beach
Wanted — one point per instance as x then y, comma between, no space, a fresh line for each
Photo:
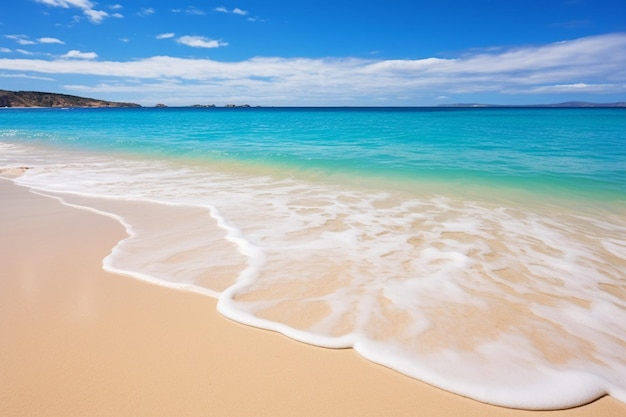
78,341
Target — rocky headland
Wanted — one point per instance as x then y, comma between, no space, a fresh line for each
39,99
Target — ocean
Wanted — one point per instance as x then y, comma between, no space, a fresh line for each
481,250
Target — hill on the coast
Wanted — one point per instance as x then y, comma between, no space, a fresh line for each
38,99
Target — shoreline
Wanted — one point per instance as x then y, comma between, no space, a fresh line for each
81,341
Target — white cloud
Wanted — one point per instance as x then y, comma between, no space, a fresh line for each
31,77
165,35
5,50
192,11
116,7
236,10
21,39
26,42
146,11
577,88
66,4
75,54
24,52
50,40
95,16
200,42
587,65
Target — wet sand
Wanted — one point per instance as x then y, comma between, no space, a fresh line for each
78,341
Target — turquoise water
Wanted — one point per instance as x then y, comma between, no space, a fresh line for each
480,250
580,150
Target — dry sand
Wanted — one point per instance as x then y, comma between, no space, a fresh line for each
77,341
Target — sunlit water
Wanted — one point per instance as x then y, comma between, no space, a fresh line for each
479,250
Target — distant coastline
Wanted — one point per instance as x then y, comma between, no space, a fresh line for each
567,104
36,99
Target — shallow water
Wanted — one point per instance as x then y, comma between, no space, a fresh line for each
483,252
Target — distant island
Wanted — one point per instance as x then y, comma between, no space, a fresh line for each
570,104
39,99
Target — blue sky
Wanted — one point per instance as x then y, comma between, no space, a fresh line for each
310,53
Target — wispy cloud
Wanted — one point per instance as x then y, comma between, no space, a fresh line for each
236,10
5,50
200,42
75,54
592,64
25,40
87,7
575,88
146,11
192,11
168,35
20,39
50,40
30,77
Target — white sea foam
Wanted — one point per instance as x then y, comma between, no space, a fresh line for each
517,305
